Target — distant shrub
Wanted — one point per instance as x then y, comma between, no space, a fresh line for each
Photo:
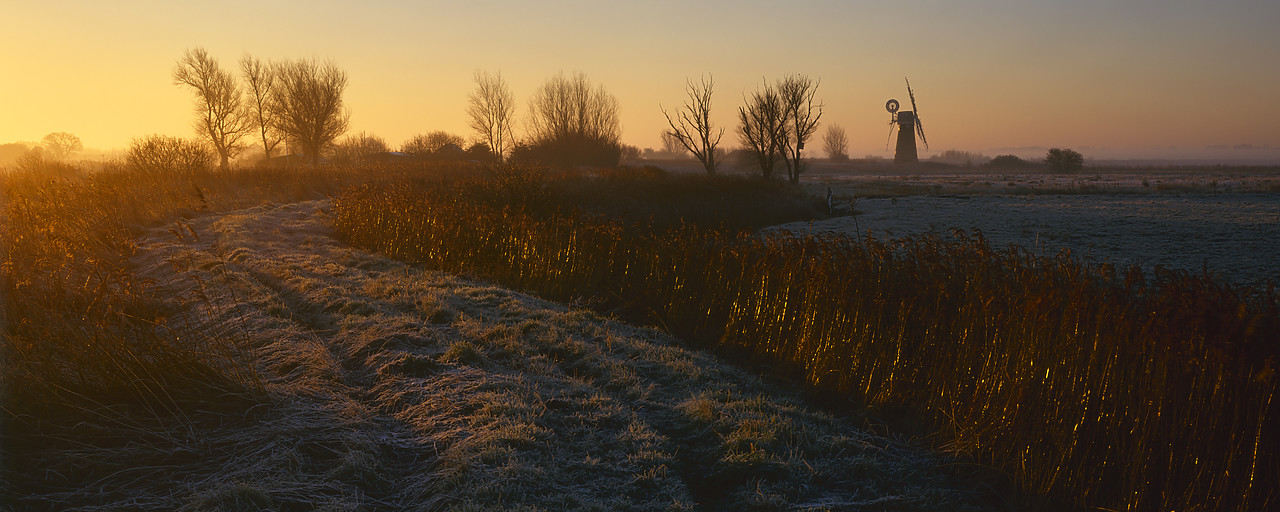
958,157
434,145
740,157
35,163
164,154
571,151
630,152
1064,160
480,152
1007,162
357,149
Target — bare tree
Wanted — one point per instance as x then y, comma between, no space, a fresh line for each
797,94
630,152
260,77
61,144
308,99
693,128
356,149
568,106
492,108
762,127
671,144
432,143
835,143
221,117
573,123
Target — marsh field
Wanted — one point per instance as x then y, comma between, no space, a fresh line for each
1220,218
463,337
1225,221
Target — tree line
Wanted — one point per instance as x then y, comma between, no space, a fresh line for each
774,123
295,102
298,104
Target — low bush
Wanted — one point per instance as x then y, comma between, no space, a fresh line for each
570,150
1064,160
1008,162
169,155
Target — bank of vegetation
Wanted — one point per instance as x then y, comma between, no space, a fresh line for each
1090,384
253,378
90,354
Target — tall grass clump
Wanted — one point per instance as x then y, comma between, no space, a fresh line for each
1090,384
82,330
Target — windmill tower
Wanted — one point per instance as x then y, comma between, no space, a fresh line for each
908,126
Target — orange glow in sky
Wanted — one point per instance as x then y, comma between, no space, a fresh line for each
1131,78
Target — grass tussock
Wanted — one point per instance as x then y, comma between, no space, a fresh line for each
1091,384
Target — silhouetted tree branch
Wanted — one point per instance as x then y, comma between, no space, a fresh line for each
439,145
762,127
357,149
492,108
797,94
61,144
222,119
671,145
835,143
692,126
260,77
309,102
572,123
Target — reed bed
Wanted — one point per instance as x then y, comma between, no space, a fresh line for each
1089,384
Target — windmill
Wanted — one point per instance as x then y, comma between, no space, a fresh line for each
908,126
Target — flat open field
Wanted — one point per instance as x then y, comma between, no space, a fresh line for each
1227,221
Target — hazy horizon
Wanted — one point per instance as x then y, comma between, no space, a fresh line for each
1143,80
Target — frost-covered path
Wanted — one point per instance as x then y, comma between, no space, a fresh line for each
398,388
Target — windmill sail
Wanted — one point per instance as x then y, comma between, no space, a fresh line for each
919,126
908,126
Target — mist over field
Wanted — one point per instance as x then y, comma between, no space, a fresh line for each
1231,237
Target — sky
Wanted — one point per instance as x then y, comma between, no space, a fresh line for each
1115,78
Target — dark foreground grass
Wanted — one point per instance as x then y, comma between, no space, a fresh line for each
90,355
78,323
384,386
1092,385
